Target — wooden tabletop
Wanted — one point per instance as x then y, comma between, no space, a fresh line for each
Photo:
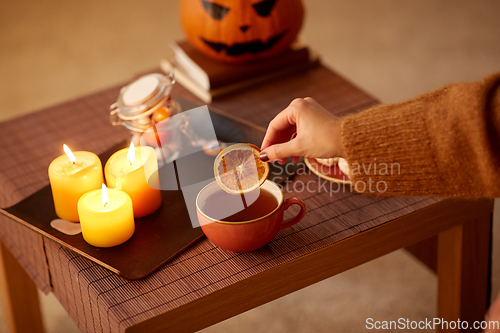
206,284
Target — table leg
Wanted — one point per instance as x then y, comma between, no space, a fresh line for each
464,259
19,295
426,252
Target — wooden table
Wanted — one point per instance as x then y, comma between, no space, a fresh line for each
205,284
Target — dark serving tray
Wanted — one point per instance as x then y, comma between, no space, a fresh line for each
158,237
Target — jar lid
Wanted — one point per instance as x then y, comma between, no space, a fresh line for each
141,90
141,97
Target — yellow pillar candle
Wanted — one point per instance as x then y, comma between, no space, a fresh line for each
106,217
71,175
132,170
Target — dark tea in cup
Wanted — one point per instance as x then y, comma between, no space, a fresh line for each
244,222
239,207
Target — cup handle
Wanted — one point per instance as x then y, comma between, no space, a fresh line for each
300,215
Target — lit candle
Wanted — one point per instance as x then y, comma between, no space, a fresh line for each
106,217
133,170
71,175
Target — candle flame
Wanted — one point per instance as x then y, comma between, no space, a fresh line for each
105,199
131,154
69,153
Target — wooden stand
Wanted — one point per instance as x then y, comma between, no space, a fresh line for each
461,254
19,296
464,277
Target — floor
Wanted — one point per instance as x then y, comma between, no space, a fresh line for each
55,50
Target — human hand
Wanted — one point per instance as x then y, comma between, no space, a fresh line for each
317,131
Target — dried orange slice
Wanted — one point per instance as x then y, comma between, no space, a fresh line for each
238,168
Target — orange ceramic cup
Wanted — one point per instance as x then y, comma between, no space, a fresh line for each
248,235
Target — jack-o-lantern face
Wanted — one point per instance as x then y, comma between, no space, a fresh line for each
241,30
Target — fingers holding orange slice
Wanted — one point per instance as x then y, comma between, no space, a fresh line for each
238,168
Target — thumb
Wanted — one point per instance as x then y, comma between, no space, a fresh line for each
280,151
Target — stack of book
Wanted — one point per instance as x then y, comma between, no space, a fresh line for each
208,78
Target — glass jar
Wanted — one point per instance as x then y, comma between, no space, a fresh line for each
137,106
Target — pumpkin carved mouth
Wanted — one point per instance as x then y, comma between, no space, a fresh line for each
242,48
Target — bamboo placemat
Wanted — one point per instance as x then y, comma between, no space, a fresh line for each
100,301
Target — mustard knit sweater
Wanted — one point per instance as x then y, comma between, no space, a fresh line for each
443,143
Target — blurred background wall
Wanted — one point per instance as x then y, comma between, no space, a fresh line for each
54,50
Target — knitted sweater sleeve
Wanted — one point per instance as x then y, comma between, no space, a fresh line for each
443,143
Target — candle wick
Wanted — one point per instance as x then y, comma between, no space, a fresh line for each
105,204
74,163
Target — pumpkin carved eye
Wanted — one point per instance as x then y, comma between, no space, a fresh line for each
216,11
264,8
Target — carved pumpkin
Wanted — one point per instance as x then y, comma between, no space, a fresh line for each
241,30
